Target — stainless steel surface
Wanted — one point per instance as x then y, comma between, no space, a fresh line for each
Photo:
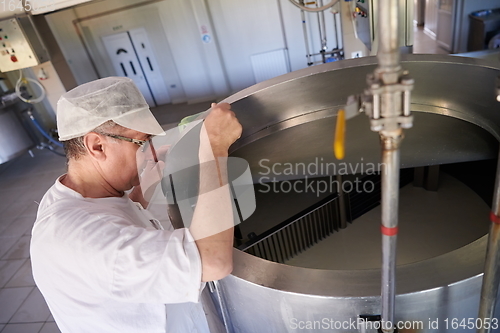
405,12
388,48
389,203
13,137
448,269
388,290
268,297
290,119
491,279
222,307
452,86
491,55
436,135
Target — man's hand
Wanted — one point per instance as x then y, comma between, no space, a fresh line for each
222,127
151,173
150,177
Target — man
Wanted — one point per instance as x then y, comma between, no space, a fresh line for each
96,257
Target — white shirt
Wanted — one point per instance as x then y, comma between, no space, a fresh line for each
102,267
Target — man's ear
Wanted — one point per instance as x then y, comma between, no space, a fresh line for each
94,144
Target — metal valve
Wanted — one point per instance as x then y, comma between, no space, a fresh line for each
398,93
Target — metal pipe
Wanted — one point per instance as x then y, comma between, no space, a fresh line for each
389,205
306,40
324,40
388,74
337,46
321,38
319,27
283,33
388,33
491,277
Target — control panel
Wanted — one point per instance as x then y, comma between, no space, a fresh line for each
20,44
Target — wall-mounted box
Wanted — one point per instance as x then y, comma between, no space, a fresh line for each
20,44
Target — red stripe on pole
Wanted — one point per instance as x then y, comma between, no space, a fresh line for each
494,218
389,231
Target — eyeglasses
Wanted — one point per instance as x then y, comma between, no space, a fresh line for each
143,144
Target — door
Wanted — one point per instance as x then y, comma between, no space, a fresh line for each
147,59
126,63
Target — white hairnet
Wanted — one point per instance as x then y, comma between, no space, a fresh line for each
81,110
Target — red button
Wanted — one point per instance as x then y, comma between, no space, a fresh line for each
13,58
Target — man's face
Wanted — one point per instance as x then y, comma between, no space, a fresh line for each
123,159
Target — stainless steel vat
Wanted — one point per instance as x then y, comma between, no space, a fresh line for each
290,119
14,140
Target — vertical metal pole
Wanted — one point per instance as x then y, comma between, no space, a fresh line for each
283,32
388,73
321,37
388,32
388,102
491,277
306,39
389,204
323,28
337,46
318,14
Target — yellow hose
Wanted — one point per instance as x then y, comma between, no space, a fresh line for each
339,140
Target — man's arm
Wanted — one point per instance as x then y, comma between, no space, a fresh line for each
212,225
